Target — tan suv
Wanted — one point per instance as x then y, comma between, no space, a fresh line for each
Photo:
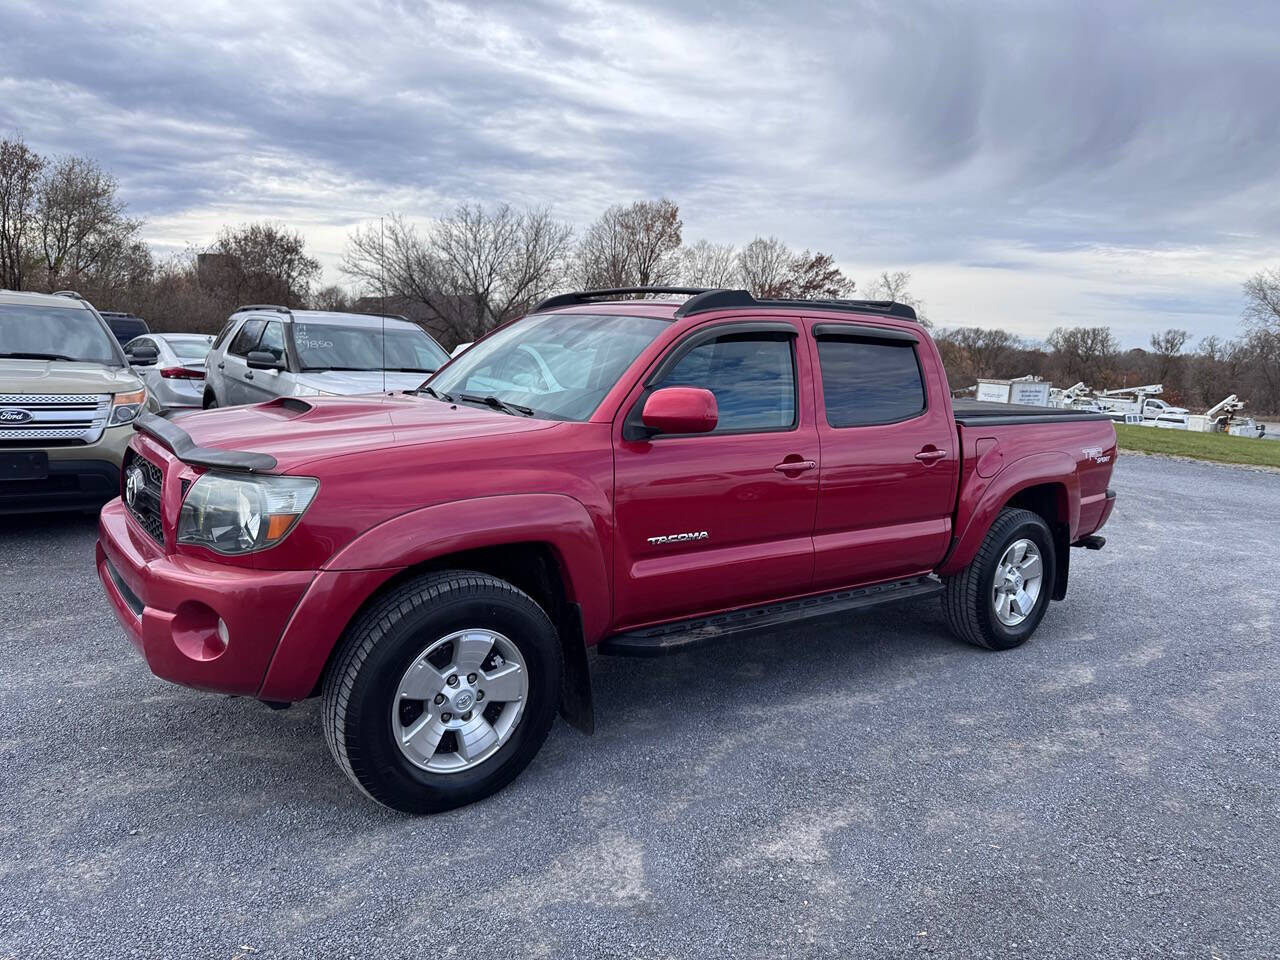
68,400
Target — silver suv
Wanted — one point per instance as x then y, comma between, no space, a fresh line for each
267,351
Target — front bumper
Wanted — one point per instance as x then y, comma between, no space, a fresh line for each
199,624
80,477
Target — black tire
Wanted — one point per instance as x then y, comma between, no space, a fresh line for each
967,597
378,648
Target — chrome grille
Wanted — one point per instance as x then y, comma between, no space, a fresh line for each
68,418
144,505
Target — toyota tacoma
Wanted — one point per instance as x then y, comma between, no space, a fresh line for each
615,472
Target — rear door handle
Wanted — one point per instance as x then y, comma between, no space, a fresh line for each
222,366
928,456
795,466
248,374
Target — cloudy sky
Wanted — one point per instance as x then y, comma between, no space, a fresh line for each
1033,164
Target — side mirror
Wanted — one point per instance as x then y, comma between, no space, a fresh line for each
262,360
144,356
681,410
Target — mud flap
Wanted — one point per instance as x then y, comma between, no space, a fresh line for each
1062,553
576,703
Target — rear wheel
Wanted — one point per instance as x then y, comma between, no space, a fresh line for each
210,401
1000,598
443,691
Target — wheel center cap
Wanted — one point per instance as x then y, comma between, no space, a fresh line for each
463,701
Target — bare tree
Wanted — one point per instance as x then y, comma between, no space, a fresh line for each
331,297
261,262
895,285
708,264
764,268
1084,353
1167,347
82,224
469,271
20,169
1262,300
633,245
973,352
815,276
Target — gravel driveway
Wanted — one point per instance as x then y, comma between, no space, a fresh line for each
861,788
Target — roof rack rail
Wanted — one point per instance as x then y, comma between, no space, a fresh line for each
729,299
261,306
586,296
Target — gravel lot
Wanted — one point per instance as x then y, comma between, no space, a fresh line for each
863,788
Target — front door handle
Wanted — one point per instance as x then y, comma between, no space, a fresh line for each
930,454
248,375
222,366
795,466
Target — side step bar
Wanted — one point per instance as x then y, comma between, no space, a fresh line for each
679,636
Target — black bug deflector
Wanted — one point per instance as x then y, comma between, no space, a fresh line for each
180,442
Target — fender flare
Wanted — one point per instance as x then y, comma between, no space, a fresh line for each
352,575
982,500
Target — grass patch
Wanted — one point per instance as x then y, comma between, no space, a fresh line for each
1218,447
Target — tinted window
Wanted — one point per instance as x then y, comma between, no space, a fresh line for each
273,340
126,328
54,333
751,375
866,382
247,338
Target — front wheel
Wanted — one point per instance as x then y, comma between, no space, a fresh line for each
443,691
1000,598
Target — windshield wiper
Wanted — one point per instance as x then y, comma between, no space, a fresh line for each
339,369
439,395
499,404
411,369
36,356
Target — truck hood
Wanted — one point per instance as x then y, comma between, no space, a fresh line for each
345,383
64,376
297,431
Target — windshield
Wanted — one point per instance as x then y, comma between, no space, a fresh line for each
333,346
54,333
559,365
194,348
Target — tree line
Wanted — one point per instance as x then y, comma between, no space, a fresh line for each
63,225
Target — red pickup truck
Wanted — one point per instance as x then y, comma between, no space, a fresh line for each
630,475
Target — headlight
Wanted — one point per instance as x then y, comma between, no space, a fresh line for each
125,407
241,514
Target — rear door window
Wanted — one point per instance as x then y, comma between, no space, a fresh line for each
866,381
247,339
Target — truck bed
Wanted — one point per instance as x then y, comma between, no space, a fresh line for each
981,413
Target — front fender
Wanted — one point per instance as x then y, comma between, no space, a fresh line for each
353,574
981,500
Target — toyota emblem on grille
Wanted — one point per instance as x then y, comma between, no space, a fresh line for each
13,415
133,484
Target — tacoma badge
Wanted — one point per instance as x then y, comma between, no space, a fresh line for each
679,538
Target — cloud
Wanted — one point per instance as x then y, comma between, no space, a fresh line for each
930,135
